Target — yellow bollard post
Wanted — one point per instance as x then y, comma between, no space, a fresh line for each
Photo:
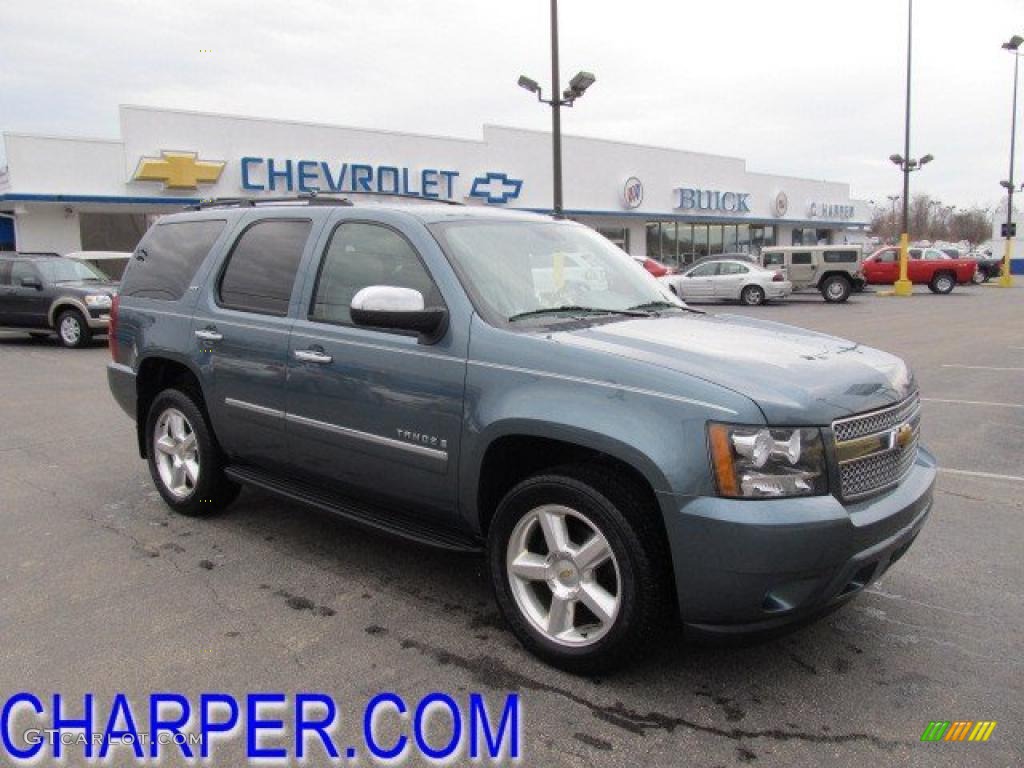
903,286
1005,278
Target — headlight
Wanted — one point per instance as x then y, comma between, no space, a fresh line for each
99,300
767,462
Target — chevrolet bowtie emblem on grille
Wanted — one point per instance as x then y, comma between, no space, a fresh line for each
904,434
178,170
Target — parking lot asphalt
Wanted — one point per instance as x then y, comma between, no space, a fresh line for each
104,590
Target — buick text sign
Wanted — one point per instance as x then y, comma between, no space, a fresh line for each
691,199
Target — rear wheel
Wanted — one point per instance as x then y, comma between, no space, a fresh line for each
72,330
942,283
184,460
836,289
576,568
752,295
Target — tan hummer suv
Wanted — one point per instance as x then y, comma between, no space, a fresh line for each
834,270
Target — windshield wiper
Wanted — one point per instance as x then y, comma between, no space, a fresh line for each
574,308
653,305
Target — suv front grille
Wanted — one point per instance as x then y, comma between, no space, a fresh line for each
876,450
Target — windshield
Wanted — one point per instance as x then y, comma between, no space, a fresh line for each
69,271
547,270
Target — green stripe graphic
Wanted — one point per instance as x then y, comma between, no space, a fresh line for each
936,730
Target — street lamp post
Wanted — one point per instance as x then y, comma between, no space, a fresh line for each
1006,279
893,199
903,286
577,86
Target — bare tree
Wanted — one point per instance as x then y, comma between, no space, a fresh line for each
931,220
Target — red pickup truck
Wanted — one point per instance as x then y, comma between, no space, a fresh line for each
926,266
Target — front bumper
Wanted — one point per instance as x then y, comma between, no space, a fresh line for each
750,565
98,318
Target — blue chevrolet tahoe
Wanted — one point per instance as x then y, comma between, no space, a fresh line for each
496,381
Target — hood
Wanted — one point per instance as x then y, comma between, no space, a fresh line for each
794,375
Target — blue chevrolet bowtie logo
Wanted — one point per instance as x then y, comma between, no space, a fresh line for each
496,187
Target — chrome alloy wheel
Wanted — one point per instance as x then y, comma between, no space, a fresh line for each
570,592
70,330
176,453
944,284
835,290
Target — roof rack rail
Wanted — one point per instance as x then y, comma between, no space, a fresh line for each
252,202
311,199
372,193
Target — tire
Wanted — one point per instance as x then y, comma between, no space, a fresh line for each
836,289
752,295
191,481
943,282
72,330
986,275
979,277
631,585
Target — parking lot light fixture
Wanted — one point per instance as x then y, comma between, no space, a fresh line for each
1005,278
580,82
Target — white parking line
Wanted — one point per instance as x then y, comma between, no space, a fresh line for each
971,402
980,367
986,475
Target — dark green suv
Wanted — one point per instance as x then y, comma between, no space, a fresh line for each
44,294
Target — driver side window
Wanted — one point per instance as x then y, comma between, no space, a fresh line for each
360,255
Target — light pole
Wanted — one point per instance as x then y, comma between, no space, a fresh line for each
577,86
903,286
893,199
1006,279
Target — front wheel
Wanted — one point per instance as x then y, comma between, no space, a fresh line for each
184,460
577,570
72,330
942,283
836,289
752,295
979,277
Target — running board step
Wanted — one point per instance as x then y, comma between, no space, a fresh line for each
375,519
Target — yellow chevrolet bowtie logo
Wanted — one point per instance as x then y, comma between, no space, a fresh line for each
178,170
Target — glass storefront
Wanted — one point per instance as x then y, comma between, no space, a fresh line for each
618,235
810,236
678,243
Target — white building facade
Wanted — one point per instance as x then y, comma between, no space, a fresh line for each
61,194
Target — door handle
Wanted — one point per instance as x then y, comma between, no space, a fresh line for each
209,335
312,356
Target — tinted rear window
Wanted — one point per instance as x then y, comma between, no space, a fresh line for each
167,259
841,257
262,265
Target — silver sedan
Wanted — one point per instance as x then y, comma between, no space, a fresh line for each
729,280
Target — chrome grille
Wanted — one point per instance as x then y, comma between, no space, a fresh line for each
876,421
883,461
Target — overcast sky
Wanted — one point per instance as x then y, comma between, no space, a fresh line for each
811,88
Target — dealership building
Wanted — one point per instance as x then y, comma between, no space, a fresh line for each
62,193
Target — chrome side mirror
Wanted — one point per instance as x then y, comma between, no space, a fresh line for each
400,309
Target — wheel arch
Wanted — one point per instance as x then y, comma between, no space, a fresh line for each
519,449
156,373
66,302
